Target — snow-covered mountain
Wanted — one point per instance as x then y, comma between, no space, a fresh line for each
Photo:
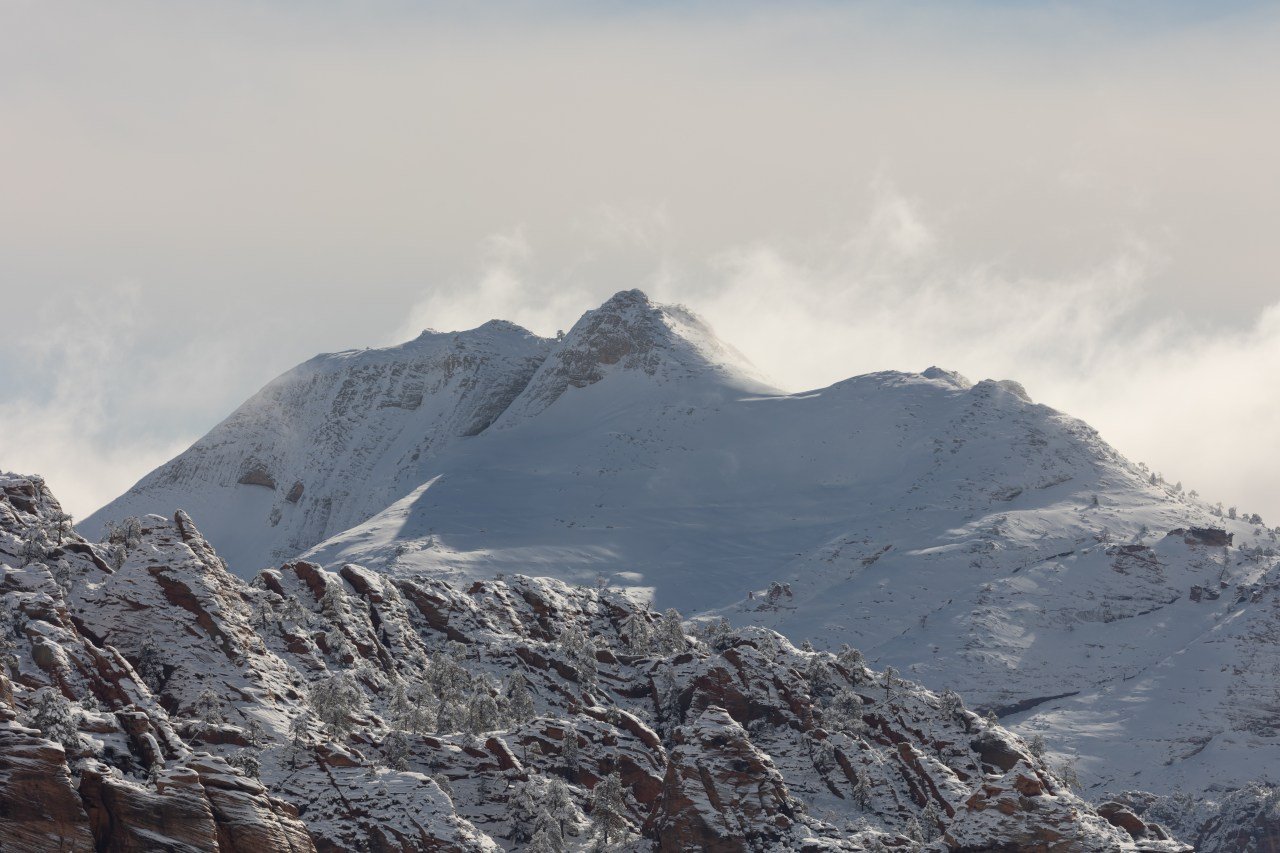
334,440
150,700
959,532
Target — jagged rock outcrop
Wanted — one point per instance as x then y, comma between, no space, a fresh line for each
1243,820
630,332
38,802
409,713
89,759
721,793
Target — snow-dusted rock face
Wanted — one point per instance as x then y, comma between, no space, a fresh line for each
89,759
630,333
413,714
333,441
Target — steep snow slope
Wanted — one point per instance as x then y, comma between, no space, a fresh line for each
333,441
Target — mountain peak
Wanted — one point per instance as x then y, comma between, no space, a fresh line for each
628,299
950,377
630,333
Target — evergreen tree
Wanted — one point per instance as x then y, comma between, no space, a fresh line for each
852,660
62,576
670,634
862,790
52,714
60,525
523,808
450,717
668,697
247,762
208,707
256,734
482,713
570,751
1069,773
127,534
559,807
399,705
544,841
824,756
8,631
395,750
340,647
333,602
451,687
443,781
637,634
581,653
297,738
294,613
423,709
116,556
822,679
844,712
263,614
718,634
149,667
890,683
335,699
608,810
34,545
520,707
932,821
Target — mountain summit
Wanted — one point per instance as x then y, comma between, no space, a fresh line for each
630,333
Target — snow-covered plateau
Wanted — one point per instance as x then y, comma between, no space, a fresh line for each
959,534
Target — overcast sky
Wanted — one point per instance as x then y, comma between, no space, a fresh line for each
196,196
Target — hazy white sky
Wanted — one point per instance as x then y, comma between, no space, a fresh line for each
196,196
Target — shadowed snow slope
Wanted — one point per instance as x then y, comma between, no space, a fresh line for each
334,440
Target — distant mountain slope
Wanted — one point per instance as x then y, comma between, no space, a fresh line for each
336,439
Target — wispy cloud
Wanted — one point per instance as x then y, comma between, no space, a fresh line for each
65,427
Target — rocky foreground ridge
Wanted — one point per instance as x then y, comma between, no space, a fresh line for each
150,700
